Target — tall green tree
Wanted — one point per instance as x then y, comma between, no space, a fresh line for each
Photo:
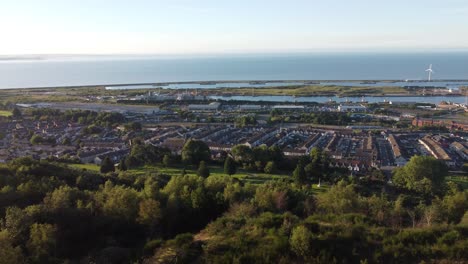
195,151
16,113
167,160
270,167
242,154
300,241
107,165
299,174
149,213
229,166
423,174
340,199
42,242
122,166
456,204
203,170
8,252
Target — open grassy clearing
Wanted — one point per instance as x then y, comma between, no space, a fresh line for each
460,180
214,171
78,94
5,113
310,90
90,167
241,175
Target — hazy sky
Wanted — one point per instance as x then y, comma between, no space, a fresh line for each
218,26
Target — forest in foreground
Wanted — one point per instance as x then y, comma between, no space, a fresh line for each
54,212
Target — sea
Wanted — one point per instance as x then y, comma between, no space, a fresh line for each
67,70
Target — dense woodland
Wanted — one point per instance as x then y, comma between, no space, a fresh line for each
54,213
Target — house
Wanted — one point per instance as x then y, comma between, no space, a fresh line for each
259,138
460,149
174,144
214,147
399,159
437,151
115,156
452,125
294,152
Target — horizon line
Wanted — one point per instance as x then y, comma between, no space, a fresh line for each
218,53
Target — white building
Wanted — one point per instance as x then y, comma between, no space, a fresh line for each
289,107
352,108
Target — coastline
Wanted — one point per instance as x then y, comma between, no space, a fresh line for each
304,82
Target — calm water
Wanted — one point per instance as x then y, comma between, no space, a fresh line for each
139,69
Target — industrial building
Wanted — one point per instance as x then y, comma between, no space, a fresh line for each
214,106
352,108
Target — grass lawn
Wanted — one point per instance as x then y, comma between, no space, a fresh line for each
323,188
5,113
460,180
90,167
244,176
310,90
214,171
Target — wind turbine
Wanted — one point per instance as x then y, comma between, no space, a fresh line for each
430,71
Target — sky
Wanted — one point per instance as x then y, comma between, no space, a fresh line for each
240,26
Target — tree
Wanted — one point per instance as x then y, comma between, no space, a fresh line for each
340,199
149,213
122,166
423,174
456,204
312,171
270,167
242,154
118,201
147,154
315,154
133,126
61,198
36,139
229,166
195,151
16,222
8,252
203,171
16,113
42,241
66,141
300,241
433,213
107,165
465,167
131,162
299,174
167,160
379,208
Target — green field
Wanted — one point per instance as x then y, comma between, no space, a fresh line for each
254,178
241,175
77,94
90,167
316,90
462,181
5,113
